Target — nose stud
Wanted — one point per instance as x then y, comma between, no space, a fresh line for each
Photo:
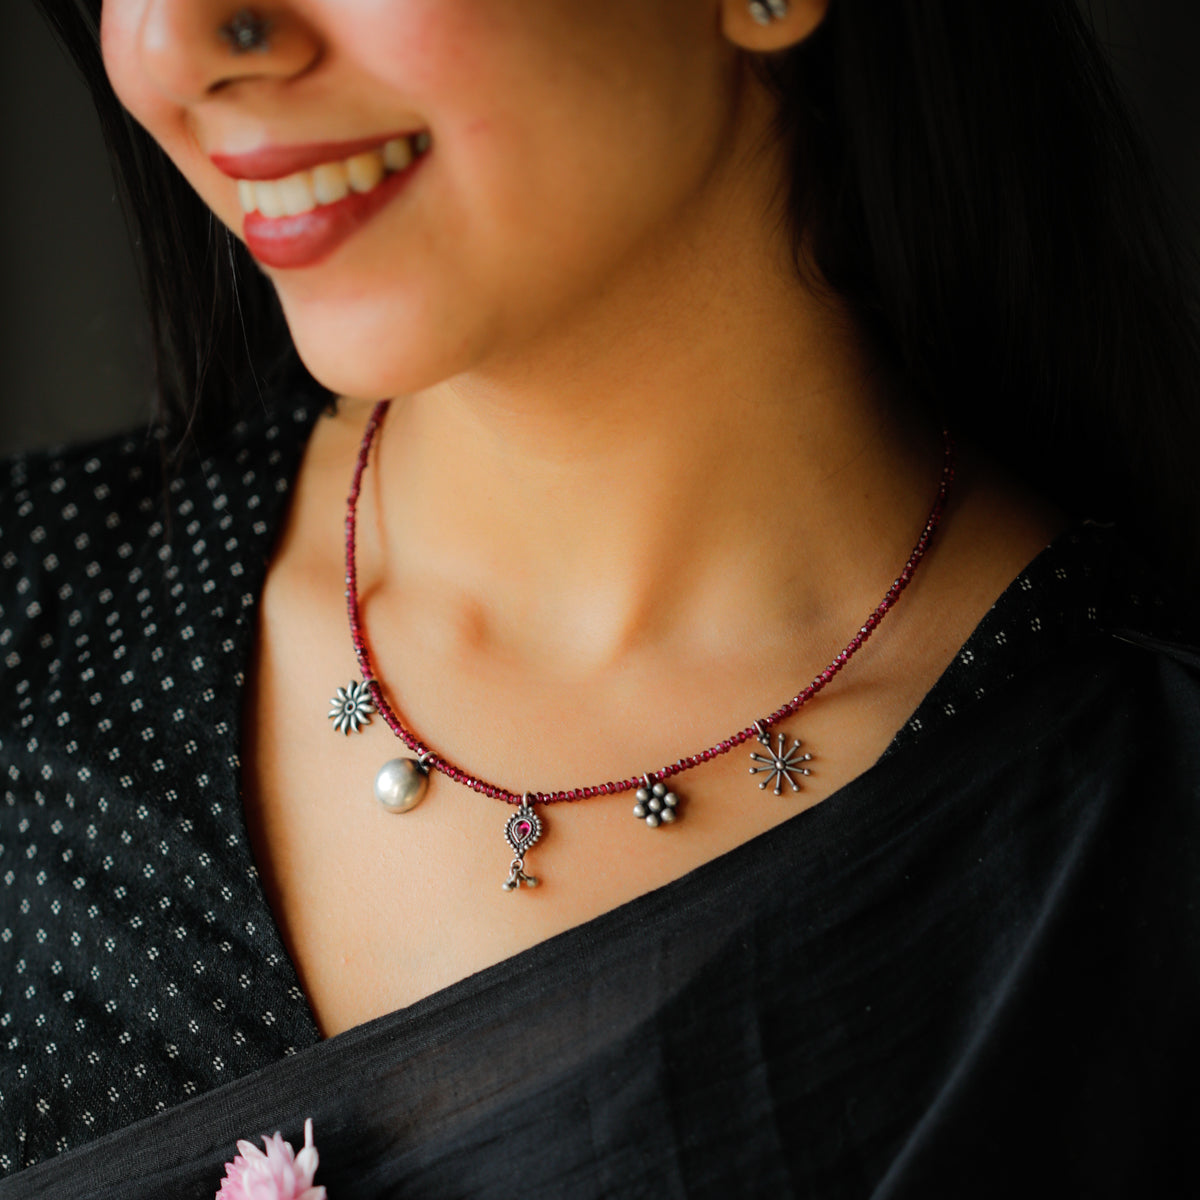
246,31
766,11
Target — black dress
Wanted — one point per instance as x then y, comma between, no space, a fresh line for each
972,970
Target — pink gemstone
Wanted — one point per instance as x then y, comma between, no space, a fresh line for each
524,829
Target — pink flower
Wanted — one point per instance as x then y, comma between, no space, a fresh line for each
274,1173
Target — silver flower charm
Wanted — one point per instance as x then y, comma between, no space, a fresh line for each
781,763
351,708
655,805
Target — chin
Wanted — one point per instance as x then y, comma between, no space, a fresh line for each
374,359
363,381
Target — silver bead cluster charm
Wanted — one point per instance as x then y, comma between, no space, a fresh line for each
522,831
351,707
781,764
401,784
655,804
766,11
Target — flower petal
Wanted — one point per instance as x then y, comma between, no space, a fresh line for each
275,1172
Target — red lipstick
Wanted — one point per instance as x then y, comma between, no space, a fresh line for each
277,162
304,240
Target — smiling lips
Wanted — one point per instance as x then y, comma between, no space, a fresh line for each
297,219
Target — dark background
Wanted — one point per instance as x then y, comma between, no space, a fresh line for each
72,341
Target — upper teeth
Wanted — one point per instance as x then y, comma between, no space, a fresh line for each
330,182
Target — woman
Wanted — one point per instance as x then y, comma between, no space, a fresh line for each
673,301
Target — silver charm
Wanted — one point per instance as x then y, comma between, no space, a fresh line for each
246,31
401,783
779,764
522,831
766,11
655,805
351,707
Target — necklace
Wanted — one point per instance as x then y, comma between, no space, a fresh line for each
401,783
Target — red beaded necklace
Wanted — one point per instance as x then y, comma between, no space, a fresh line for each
400,784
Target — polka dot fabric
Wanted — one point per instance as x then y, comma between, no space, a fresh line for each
139,962
1084,586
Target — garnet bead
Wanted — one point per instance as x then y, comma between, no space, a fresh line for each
359,642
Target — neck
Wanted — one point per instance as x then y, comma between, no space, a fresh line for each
704,450
714,504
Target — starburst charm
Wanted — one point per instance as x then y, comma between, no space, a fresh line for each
351,708
781,763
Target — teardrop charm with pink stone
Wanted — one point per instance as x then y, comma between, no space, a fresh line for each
523,830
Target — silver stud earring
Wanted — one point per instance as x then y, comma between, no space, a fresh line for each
246,31
766,11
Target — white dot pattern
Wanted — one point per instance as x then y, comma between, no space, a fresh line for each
1074,590
139,961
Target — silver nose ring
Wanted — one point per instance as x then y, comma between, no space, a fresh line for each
246,31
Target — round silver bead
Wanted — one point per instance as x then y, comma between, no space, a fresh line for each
655,805
652,820
401,784
667,816
639,810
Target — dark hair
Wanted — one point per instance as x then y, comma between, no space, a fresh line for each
966,177
218,333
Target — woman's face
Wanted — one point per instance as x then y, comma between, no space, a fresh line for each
567,144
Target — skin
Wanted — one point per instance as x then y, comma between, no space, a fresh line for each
639,484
